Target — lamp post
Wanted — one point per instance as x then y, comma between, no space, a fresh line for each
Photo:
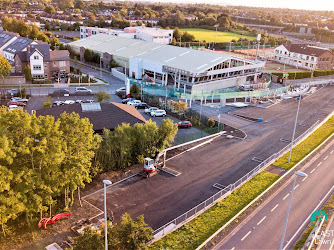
100,68
301,174
294,128
216,26
105,182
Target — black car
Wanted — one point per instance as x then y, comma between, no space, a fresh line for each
125,101
141,105
61,92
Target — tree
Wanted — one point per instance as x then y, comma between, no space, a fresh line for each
180,107
186,37
47,103
113,64
102,96
211,122
49,9
176,33
90,239
5,68
88,56
53,41
134,91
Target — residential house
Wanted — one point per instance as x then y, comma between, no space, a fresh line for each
18,45
6,38
304,56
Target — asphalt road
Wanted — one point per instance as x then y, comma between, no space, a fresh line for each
263,228
165,197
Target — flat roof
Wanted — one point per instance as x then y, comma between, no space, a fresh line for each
191,60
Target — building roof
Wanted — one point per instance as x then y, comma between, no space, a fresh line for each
18,45
59,55
195,61
43,49
5,37
307,49
110,116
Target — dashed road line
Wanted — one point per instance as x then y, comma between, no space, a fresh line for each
319,164
286,196
304,178
325,158
261,220
296,186
232,248
331,151
274,208
312,170
246,235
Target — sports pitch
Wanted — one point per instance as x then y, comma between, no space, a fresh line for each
277,67
210,35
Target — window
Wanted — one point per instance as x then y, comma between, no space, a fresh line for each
312,58
54,63
37,67
45,66
46,75
36,57
62,63
307,57
306,64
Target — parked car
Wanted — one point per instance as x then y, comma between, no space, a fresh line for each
78,101
246,88
88,101
134,103
184,124
61,92
141,105
125,101
12,107
149,110
82,90
158,112
20,104
69,102
19,99
57,79
120,90
13,92
58,103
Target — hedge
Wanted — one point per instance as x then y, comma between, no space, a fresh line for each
319,73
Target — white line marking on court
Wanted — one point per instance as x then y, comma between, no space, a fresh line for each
312,170
246,235
274,208
325,158
319,164
304,178
286,196
331,151
296,186
261,220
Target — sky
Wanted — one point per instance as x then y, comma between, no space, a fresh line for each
291,4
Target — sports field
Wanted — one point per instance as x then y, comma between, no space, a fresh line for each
277,67
210,35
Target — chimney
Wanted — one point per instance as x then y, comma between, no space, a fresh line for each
28,48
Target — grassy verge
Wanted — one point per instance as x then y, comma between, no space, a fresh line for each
329,210
199,229
304,148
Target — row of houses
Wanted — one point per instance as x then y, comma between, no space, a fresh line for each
44,63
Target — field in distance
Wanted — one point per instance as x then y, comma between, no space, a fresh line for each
210,35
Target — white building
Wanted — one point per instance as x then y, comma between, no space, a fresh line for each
155,35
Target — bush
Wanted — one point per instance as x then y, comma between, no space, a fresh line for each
102,96
319,73
211,123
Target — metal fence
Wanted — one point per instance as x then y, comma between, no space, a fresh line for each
200,208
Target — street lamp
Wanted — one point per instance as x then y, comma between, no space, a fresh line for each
294,128
301,174
100,68
105,182
216,26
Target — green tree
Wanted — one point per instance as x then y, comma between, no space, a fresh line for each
90,239
88,56
177,34
5,68
47,103
53,41
211,122
49,9
102,96
134,91
27,73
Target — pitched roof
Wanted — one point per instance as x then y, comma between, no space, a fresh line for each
5,37
110,116
44,49
307,49
18,45
59,55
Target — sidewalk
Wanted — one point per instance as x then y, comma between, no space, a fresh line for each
91,66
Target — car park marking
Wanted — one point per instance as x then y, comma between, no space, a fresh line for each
319,164
232,248
261,220
274,207
296,186
246,235
304,178
312,170
286,196
331,152
325,158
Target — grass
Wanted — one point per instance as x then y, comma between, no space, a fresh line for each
210,35
304,148
272,68
199,229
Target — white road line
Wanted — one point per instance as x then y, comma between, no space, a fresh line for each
232,248
304,178
261,220
274,208
325,158
312,170
246,235
286,196
331,151
319,164
296,186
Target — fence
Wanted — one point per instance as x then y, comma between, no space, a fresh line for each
202,207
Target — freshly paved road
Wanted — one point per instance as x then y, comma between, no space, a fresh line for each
164,197
263,228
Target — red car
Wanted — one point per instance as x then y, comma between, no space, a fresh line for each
20,104
184,124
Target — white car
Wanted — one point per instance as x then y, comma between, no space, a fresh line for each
19,99
120,90
78,101
159,112
69,102
134,103
149,110
12,107
82,90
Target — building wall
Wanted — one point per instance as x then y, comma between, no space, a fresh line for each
37,65
326,61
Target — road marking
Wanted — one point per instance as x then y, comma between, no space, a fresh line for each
331,151
319,164
296,186
325,158
286,196
232,248
274,208
312,170
246,235
304,178
261,220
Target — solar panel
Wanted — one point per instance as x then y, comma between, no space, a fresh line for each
95,106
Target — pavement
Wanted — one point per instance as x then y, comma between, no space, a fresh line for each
263,228
164,197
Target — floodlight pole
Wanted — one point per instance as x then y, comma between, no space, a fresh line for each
294,128
105,182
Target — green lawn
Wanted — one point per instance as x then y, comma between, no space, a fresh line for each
210,35
272,68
